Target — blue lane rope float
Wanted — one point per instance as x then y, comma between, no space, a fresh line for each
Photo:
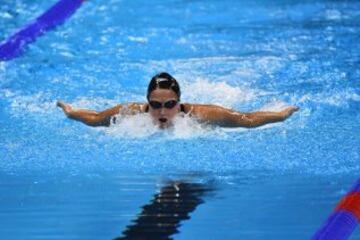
345,218
56,15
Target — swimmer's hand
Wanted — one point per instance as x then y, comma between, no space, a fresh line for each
65,107
287,112
89,117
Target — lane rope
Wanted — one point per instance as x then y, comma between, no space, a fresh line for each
344,219
14,46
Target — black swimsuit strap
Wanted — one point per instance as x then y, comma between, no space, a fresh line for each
182,108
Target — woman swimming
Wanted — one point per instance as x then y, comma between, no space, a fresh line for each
164,105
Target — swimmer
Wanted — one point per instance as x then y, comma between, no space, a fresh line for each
163,96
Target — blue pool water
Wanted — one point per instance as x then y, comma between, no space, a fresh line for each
60,179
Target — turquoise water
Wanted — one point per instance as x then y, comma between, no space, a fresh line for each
64,180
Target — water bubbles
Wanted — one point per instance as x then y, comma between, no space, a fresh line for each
138,39
221,93
40,102
141,126
333,14
276,106
133,126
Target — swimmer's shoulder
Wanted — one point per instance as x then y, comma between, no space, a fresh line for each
195,109
202,110
136,107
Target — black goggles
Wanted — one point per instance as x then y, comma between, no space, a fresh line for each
157,105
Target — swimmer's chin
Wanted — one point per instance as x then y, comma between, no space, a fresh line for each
164,125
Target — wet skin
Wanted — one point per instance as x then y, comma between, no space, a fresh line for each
163,117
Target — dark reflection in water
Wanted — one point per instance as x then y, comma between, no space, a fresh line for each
161,218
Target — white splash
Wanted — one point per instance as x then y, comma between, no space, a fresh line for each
37,103
133,126
7,93
186,127
274,106
2,66
338,99
93,103
6,15
333,14
221,93
142,126
138,39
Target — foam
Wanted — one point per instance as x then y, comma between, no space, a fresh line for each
220,93
138,39
186,69
2,66
142,126
7,93
333,14
93,103
186,127
275,105
40,102
338,99
44,102
6,15
134,126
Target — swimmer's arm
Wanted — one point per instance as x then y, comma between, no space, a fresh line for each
96,119
228,118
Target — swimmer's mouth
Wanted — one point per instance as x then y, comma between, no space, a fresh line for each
162,120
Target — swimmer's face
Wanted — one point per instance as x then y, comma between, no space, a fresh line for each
163,107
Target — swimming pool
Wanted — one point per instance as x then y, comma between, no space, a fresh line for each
63,180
